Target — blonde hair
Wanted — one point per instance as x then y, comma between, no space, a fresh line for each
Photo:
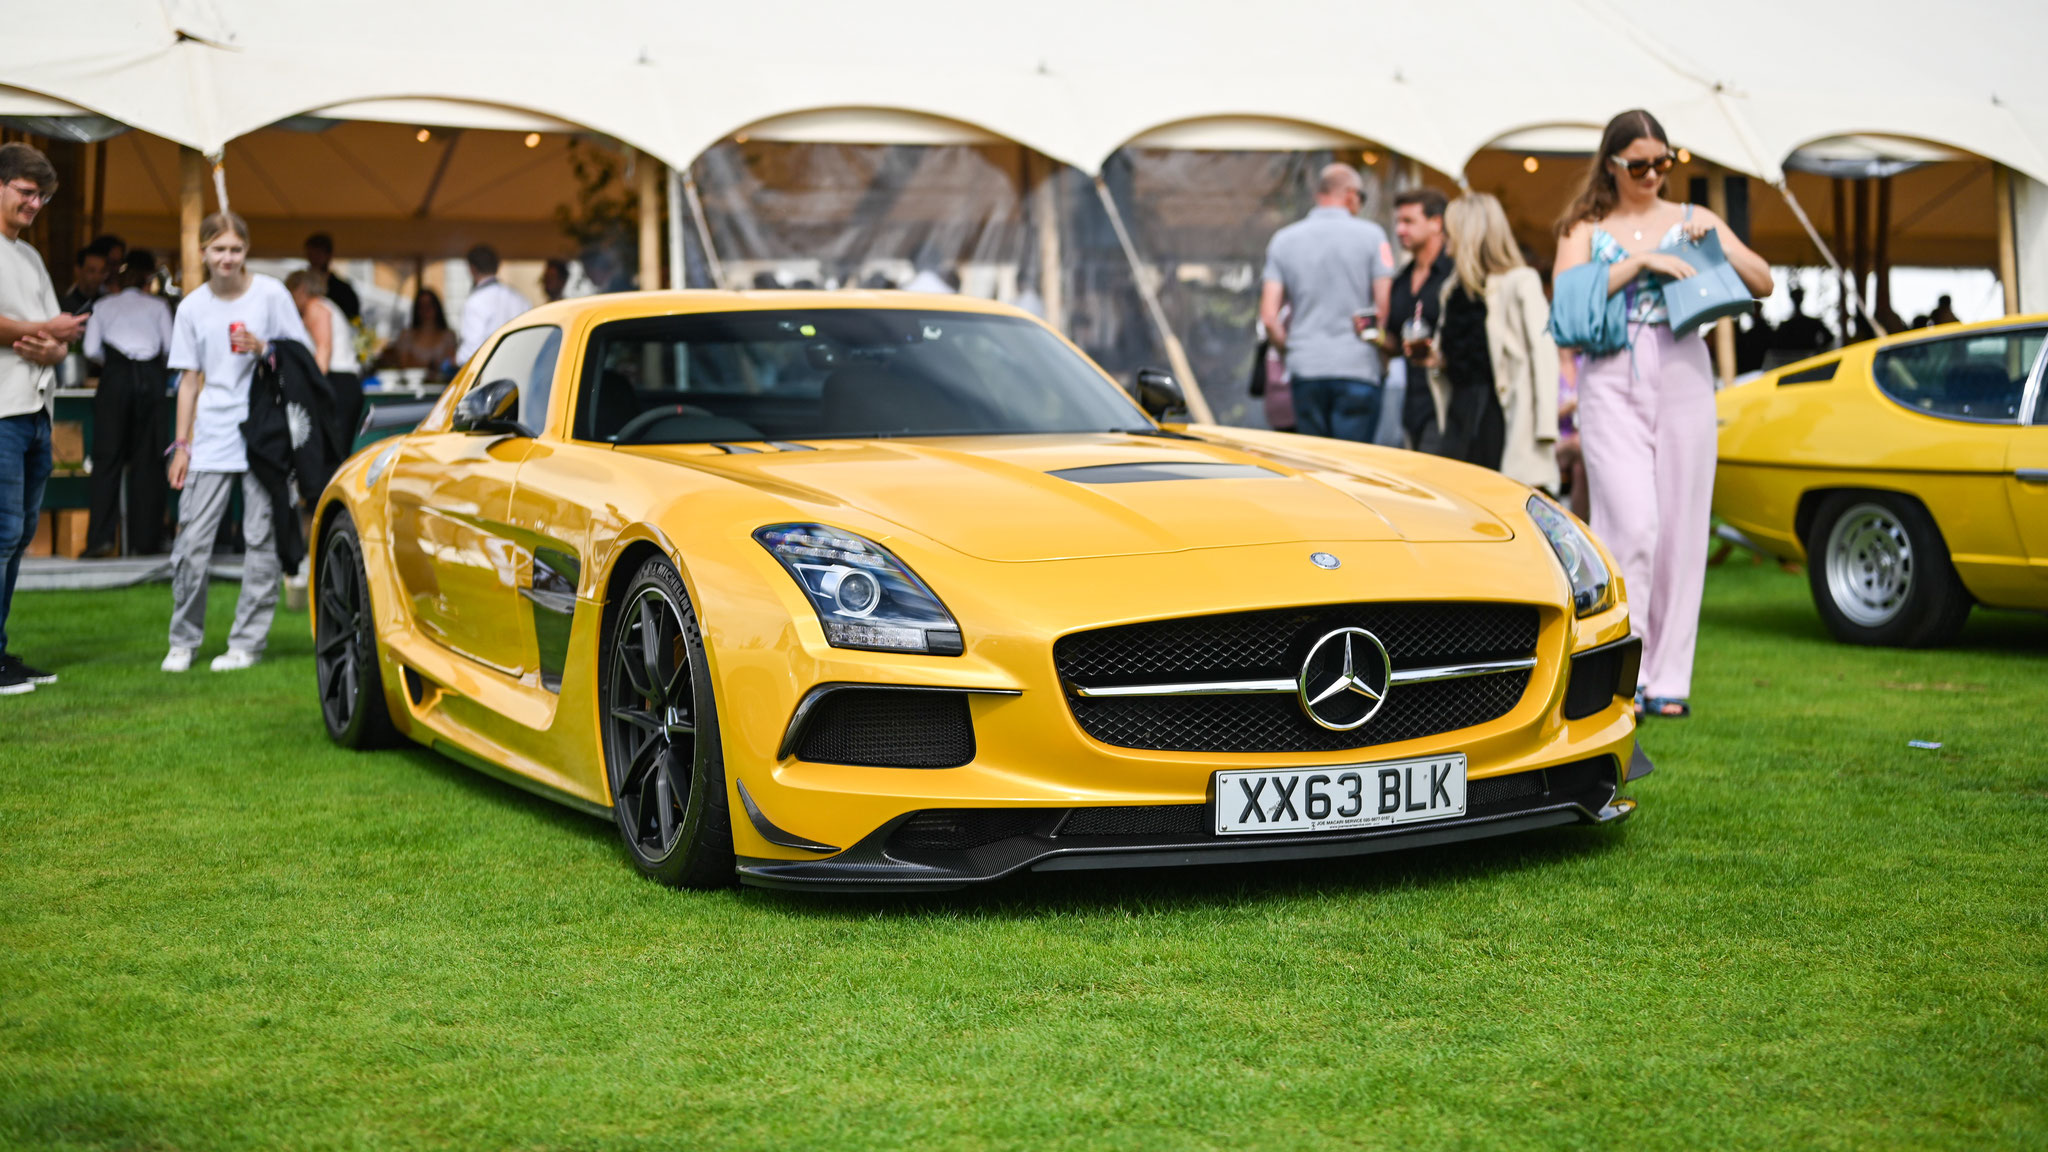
312,279
1481,241
221,222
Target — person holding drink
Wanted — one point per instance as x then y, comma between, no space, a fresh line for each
1331,270
221,331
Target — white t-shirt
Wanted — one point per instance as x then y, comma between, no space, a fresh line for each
199,342
491,305
25,294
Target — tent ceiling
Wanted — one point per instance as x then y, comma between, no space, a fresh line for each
1081,78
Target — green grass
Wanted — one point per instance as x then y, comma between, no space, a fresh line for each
218,931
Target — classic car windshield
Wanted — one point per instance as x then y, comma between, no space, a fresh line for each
833,373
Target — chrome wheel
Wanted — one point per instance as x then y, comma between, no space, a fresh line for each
650,721
1869,565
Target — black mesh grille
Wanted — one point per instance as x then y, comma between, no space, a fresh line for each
1154,820
1497,790
889,728
1276,723
961,829
1246,645
1272,645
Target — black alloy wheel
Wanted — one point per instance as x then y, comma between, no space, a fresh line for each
661,749
345,649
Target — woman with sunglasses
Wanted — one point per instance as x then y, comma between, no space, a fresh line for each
1646,413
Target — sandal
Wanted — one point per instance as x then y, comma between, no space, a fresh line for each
1668,707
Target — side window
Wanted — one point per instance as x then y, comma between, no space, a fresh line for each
1980,376
527,358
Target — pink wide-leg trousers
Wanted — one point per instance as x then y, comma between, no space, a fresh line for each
1647,428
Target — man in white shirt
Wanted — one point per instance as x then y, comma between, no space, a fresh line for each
129,336
492,304
34,337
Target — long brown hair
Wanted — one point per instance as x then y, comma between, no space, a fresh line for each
1598,195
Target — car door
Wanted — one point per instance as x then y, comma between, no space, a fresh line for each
2028,483
458,559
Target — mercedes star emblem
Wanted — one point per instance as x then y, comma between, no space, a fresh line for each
1345,679
1323,560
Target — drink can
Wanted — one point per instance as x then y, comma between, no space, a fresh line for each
234,327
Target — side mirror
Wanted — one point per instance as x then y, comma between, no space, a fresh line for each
492,407
1160,396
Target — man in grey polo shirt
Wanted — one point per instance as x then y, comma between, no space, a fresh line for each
1327,268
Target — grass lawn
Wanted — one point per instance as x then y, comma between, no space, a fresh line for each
218,931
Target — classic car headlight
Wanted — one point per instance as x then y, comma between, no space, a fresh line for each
1592,586
865,597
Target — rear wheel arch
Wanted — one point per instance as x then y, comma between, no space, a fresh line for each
1811,500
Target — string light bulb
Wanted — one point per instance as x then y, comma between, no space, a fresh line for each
1684,157
423,136
533,139
1529,164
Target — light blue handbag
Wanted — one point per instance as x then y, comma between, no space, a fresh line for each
1714,292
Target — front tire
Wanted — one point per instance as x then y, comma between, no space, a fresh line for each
1880,572
345,647
663,759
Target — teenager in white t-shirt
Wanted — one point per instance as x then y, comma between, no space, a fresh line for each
221,331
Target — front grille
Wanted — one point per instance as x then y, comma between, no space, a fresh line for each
1600,675
1271,645
889,728
1151,820
961,829
1495,791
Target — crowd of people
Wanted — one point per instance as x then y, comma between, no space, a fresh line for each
1462,333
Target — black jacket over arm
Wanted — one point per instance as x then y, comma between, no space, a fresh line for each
289,436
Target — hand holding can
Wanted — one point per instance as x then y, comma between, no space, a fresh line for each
240,339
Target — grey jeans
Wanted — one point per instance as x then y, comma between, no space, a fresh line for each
200,508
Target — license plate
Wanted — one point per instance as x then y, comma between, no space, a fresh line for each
1346,796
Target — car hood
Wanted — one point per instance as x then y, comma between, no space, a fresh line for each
1032,498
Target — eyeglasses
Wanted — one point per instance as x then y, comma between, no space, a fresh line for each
1637,169
32,193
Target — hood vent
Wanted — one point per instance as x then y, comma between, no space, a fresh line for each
1164,470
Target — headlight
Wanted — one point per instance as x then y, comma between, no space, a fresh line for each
1592,586
865,598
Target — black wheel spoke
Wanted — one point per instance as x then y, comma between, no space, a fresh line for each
338,637
664,805
635,777
650,653
639,718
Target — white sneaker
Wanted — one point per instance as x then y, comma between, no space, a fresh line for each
177,660
234,660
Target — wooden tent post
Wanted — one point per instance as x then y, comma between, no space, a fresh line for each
1043,175
2008,241
1881,247
191,208
1859,244
647,172
1724,328
1841,226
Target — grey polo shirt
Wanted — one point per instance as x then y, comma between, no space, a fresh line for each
1327,261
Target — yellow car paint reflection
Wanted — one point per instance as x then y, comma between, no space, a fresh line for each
504,619
1910,472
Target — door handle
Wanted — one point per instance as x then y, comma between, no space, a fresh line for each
2031,475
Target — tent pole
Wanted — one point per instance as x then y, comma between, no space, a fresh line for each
1724,328
696,203
1784,187
2008,242
99,189
1859,246
1882,248
1841,223
191,207
647,176
1176,356
678,268
1045,208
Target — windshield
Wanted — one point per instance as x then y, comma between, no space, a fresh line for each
837,373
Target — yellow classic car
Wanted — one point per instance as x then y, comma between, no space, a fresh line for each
1910,472
877,590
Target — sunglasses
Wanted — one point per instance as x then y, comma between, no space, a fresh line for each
1637,169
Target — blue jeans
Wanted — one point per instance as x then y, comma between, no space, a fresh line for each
1338,407
24,469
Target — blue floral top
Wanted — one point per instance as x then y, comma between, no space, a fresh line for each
1645,292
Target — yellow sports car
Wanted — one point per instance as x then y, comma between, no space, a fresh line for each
876,590
1910,472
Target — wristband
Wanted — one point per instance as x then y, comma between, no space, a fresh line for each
178,445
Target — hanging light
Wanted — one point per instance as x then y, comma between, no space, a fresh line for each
1684,157
533,139
1529,164
423,135
1371,158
